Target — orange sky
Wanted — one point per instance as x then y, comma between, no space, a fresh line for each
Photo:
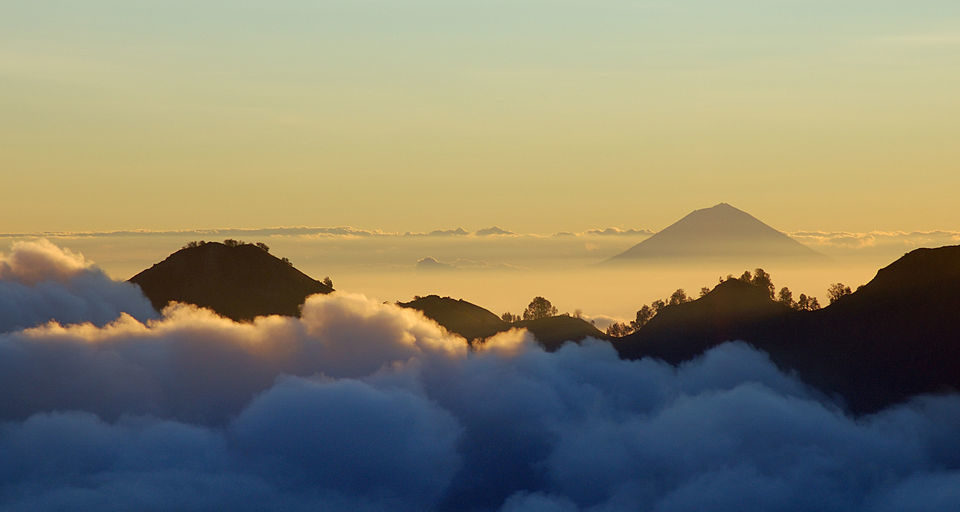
537,116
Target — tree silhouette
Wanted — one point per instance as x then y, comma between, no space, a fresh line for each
805,303
759,278
509,317
539,308
836,291
763,280
618,330
704,291
644,315
327,281
785,297
658,306
678,297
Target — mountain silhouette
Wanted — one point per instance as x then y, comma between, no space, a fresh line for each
896,337
476,323
718,233
430,264
731,311
458,316
552,332
239,281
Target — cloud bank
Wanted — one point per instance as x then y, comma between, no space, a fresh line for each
871,239
316,232
40,282
366,406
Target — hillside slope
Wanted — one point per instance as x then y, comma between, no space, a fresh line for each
896,337
240,282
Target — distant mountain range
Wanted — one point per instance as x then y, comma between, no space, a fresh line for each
719,233
895,337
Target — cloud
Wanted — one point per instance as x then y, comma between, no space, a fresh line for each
604,232
195,366
441,232
40,282
312,232
603,321
32,262
360,405
619,232
344,231
844,240
346,434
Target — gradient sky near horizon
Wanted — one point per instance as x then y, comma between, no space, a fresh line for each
535,115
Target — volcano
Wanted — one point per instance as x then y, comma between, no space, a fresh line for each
720,233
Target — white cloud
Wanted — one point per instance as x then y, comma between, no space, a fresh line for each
846,240
603,321
360,405
40,282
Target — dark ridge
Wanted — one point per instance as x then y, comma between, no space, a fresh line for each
718,233
458,316
683,331
896,337
554,331
476,324
238,281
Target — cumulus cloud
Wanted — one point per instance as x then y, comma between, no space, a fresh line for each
874,239
32,262
40,282
366,406
195,366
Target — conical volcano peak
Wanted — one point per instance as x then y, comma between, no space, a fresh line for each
723,206
719,232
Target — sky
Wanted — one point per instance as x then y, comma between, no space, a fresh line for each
540,116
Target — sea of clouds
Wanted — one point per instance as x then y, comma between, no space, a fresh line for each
360,405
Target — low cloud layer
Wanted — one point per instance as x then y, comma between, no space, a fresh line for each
304,231
619,232
603,321
875,239
360,405
40,282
